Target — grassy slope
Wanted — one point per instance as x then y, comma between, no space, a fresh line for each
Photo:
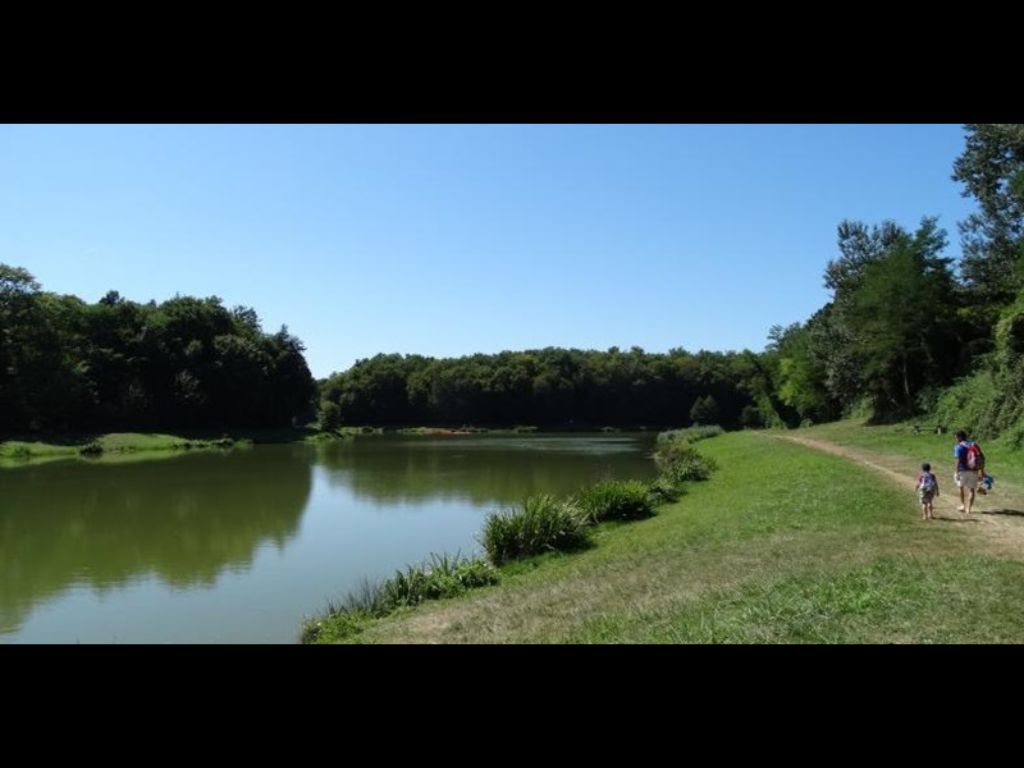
784,544
900,448
115,442
122,444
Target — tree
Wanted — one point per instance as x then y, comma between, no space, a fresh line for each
704,410
801,375
902,320
115,364
991,169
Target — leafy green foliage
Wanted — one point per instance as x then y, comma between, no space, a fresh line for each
443,576
991,168
704,410
902,316
541,524
616,500
680,462
548,387
117,365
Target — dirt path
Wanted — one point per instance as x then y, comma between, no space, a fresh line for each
1001,520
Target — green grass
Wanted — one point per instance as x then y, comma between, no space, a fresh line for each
691,434
616,500
124,445
442,576
540,524
13,452
899,446
783,544
18,450
893,600
679,462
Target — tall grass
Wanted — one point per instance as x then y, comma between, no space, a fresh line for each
690,434
680,462
541,524
662,490
616,500
442,576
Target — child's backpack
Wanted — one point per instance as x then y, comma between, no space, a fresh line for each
927,482
975,459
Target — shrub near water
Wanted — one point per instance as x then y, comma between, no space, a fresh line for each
442,577
616,500
690,434
662,490
680,462
541,524
445,577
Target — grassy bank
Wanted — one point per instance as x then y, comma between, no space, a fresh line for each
114,443
542,524
903,449
785,544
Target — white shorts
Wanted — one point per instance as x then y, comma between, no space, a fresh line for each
968,479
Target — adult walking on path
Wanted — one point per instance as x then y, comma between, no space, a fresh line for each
970,464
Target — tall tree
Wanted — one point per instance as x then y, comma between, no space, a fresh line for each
902,316
991,169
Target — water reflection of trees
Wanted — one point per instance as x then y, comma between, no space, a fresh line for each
185,520
483,470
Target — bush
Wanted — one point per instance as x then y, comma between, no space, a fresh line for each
330,416
681,462
970,404
541,524
690,434
1009,333
704,410
751,417
616,500
661,490
443,576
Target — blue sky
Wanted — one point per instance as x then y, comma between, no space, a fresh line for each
452,239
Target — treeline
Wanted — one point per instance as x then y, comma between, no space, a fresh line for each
67,365
552,388
908,333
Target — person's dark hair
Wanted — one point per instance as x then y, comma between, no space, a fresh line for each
961,435
926,467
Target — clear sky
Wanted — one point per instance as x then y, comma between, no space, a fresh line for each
452,239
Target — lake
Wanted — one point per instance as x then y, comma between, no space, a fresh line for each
239,546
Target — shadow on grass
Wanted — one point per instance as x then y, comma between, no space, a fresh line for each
1017,512
532,562
945,519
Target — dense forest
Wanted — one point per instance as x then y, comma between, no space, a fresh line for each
552,387
66,365
909,332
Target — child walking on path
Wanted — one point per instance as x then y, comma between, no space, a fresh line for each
927,490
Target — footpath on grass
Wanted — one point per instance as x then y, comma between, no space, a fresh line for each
999,513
